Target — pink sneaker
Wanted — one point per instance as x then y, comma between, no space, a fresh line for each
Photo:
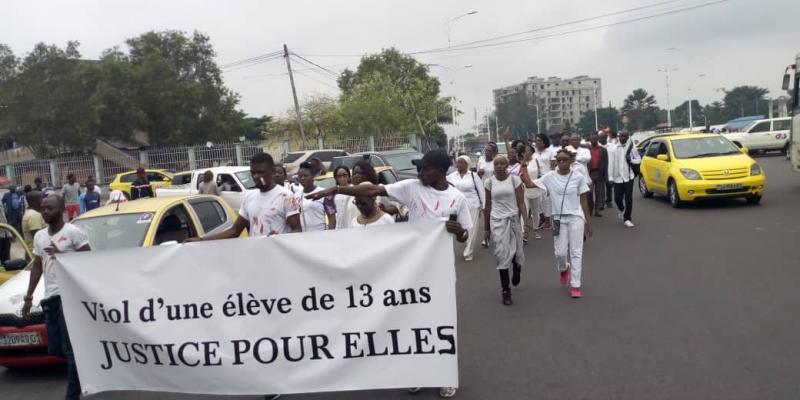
576,293
565,276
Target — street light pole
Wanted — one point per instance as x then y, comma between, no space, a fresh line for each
449,24
596,125
669,111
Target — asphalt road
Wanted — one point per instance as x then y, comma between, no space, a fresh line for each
696,303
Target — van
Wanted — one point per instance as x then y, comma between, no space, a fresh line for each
763,135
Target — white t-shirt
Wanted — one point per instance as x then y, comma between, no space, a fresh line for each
312,212
345,210
580,168
471,185
535,171
556,185
69,239
425,202
487,167
544,157
383,220
504,196
267,211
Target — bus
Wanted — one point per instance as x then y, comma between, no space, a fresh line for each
791,83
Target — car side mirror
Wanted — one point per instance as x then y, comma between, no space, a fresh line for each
662,157
15,265
745,150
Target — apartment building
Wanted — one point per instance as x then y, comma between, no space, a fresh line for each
559,101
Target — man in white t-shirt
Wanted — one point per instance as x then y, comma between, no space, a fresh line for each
429,197
58,237
486,164
267,210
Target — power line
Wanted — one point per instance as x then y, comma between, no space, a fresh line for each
559,25
323,73
316,80
316,65
249,60
549,36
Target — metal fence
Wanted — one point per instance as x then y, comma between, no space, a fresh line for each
181,158
104,169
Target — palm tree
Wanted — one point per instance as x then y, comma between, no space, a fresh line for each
641,109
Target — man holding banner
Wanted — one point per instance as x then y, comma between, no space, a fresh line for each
429,197
58,237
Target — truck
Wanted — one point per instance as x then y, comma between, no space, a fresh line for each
791,83
237,179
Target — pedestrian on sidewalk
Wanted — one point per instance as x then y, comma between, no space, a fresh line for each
544,155
428,197
569,191
533,196
91,198
610,141
598,172
505,206
624,161
71,193
59,237
471,185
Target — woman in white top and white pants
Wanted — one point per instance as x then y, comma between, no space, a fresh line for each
568,191
471,185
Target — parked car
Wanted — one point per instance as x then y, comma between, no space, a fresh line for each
400,160
20,254
157,177
689,167
188,182
386,175
141,223
764,135
293,160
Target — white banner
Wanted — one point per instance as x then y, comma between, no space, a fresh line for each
313,312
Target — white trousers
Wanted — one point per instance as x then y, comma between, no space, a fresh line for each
473,239
533,206
569,247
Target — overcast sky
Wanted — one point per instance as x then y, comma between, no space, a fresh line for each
732,43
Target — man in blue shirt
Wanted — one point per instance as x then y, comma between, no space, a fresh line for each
91,198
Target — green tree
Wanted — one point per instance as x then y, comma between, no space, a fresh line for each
606,116
390,92
180,90
46,101
745,100
641,109
680,115
323,116
254,128
716,113
515,113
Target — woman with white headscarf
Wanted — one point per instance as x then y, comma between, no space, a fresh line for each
471,185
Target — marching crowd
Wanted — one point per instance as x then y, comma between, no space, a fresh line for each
553,184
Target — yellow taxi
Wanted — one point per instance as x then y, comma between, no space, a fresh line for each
138,223
19,253
157,177
689,167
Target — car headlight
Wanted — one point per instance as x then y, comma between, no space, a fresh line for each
689,173
755,170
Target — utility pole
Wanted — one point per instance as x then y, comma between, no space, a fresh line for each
596,126
496,127
294,94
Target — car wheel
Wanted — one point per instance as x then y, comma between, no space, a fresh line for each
643,188
753,200
786,150
674,197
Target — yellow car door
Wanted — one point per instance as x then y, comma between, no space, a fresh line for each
658,165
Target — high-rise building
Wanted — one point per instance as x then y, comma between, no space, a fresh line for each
559,101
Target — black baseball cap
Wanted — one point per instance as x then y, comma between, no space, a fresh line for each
434,158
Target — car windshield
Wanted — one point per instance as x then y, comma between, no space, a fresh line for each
703,147
348,161
247,179
291,157
116,231
402,161
325,183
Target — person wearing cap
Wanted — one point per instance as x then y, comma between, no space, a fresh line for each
141,188
428,197
471,185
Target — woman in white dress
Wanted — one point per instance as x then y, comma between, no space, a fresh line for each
369,213
505,208
543,157
345,209
471,185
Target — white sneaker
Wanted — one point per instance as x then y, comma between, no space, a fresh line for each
447,392
414,390
470,258
629,224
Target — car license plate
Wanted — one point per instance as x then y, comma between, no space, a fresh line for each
730,186
20,339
